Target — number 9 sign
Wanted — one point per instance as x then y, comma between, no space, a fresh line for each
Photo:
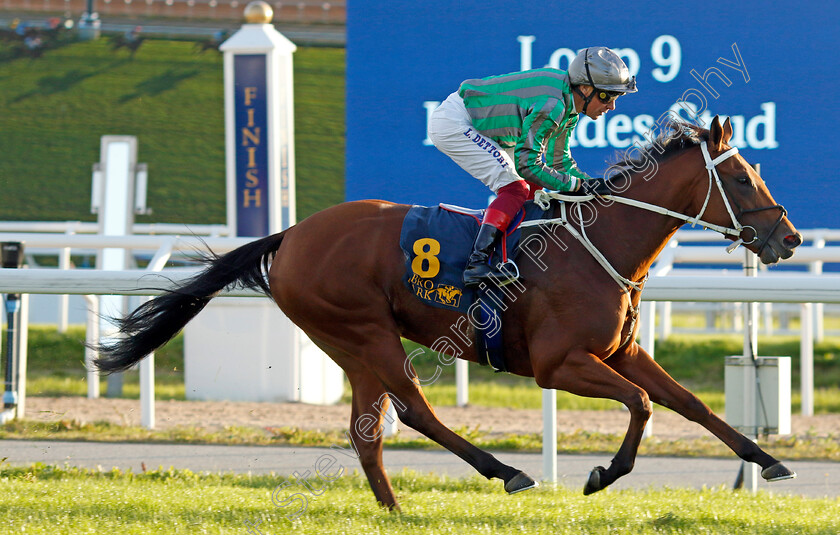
672,61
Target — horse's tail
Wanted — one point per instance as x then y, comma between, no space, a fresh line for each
157,321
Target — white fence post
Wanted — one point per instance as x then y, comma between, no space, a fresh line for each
92,337
816,268
806,356
63,300
462,383
648,342
549,444
23,355
750,470
147,365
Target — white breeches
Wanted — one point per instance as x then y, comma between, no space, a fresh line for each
452,132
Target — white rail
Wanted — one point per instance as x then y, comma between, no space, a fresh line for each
84,227
95,241
724,288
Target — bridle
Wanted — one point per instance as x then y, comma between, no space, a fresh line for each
737,228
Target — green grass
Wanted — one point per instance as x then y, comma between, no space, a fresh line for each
47,499
55,109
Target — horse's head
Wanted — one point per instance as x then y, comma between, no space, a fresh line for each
746,205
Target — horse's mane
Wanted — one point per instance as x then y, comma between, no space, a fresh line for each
675,137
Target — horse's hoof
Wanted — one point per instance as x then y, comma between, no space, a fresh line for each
520,482
777,472
593,484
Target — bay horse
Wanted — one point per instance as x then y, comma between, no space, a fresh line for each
338,276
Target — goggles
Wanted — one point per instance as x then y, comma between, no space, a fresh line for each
607,96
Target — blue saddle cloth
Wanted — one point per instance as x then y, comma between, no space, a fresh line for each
437,242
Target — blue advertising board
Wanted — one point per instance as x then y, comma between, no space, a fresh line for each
251,120
772,69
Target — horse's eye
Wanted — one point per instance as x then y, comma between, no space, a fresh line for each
743,179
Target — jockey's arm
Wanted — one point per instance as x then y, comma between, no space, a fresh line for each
531,153
562,161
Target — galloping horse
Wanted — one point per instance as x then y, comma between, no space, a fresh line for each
337,275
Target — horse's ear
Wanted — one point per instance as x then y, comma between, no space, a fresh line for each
716,134
727,131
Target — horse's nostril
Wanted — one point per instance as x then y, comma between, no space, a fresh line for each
793,240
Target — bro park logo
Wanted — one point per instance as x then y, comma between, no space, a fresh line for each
425,266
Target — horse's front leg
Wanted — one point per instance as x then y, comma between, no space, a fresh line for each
583,374
637,366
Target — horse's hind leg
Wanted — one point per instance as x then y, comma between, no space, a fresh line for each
369,405
637,366
414,410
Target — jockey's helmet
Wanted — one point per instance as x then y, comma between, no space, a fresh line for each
600,67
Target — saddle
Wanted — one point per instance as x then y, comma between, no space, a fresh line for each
437,242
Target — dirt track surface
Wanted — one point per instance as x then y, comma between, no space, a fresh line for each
495,421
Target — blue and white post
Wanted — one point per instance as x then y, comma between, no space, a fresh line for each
246,349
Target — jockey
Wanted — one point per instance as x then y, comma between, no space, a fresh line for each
513,130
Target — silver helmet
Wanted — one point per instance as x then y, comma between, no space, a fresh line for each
600,67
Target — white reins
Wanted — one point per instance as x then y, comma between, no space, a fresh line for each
543,200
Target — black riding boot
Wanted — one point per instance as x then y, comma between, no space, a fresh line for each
478,268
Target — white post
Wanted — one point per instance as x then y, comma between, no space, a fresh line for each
23,341
118,161
147,392
462,383
91,337
816,268
806,356
147,365
549,445
391,425
750,378
647,330
63,300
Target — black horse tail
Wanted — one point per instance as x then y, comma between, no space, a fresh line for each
157,321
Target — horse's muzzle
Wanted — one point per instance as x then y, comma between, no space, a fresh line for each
773,250
792,241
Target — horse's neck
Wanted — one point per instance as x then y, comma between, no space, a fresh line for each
631,237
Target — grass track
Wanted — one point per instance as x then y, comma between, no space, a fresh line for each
44,499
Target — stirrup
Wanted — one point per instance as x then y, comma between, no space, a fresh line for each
511,271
